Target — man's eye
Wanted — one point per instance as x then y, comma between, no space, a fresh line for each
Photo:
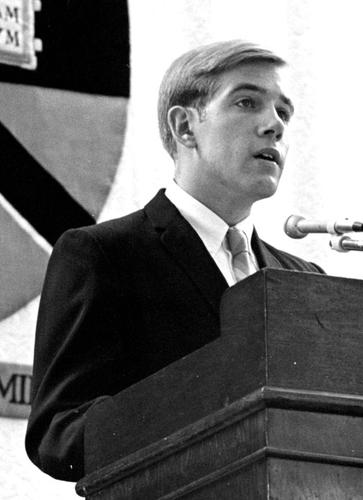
284,114
246,102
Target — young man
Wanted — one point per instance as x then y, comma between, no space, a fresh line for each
124,298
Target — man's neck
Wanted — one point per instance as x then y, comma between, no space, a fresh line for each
230,210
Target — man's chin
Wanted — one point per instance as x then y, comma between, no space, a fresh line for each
266,188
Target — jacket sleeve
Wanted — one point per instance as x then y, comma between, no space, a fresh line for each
80,353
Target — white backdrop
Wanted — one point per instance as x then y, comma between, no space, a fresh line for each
322,179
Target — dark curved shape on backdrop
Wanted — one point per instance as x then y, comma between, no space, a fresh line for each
35,194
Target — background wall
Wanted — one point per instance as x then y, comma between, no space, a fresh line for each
322,39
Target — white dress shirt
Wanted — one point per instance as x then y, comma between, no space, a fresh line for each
210,228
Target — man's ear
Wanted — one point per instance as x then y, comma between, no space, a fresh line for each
180,120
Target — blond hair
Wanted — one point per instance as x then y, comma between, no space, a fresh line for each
192,79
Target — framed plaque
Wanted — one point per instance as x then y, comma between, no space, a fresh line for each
18,45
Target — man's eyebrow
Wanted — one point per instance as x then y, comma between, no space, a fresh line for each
261,90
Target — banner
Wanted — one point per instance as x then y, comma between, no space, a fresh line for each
62,129
50,181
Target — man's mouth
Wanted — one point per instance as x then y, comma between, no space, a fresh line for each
269,154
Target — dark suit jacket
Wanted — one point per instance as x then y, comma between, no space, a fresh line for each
121,300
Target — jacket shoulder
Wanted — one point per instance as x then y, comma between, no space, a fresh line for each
113,227
122,231
290,261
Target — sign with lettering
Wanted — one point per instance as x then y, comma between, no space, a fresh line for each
15,382
17,27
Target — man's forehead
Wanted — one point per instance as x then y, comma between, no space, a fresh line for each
263,77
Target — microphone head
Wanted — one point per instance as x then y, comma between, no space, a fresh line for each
291,227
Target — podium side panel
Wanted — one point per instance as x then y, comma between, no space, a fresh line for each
310,480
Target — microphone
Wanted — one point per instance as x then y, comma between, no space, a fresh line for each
343,243
298,227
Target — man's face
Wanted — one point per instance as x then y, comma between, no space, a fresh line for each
241,141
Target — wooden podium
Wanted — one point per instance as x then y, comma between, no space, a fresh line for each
273,409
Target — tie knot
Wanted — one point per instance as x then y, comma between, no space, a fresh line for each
237,241
242,261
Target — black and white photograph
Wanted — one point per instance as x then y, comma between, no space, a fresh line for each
181,250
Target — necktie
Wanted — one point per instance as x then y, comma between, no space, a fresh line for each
241,258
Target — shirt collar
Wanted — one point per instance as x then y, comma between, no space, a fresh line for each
208,225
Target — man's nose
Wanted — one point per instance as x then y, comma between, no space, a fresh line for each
271,124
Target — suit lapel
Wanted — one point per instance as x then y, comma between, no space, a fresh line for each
264,257
187,249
